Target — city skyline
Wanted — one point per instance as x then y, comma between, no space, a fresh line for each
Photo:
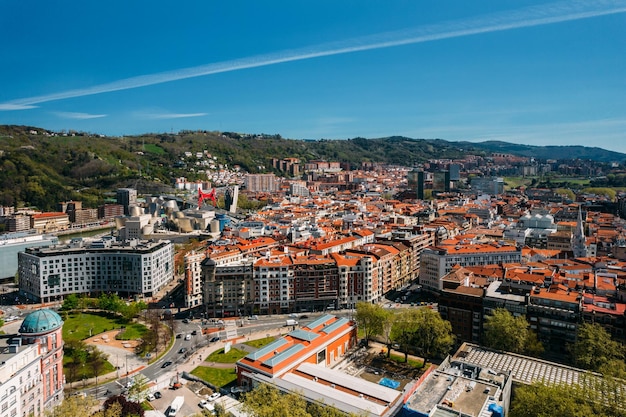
536,73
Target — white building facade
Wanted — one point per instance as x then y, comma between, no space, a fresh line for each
127,268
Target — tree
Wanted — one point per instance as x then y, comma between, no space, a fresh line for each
402,330
70,302
433,335
539,400
267,401
138,388
73,406
592,396
503,331
114,410
97,359
370,318
594,348
128,408
388,320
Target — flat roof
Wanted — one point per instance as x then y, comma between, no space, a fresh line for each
523,369
303,335
318,322
331,396
283,356
335,325
267,349
366,388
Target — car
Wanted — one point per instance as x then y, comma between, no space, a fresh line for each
166,364
150,397
188,337
182,350
157,395
178,336
214,396
214,339
195,332
293,316
253,317
304,316
185,321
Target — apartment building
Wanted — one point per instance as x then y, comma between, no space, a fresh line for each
437,261
127,268
228,287
50,222
31,366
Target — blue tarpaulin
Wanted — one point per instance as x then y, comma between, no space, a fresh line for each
390,383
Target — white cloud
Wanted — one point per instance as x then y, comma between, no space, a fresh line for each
78,116
173,115
527,17
13,106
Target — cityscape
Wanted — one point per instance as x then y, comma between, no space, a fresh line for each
313,209
183,278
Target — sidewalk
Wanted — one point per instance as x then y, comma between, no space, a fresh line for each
136,364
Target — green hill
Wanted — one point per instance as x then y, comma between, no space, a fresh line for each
41,168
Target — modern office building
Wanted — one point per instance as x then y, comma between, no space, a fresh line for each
126,197
301,362
131,268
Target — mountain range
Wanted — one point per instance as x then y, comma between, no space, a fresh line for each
41,168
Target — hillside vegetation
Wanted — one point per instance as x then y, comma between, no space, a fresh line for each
41,169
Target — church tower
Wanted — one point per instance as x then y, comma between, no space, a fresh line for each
579,242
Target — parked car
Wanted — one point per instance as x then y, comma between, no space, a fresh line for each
157,395
166,364
214,396
304,316
253,317
185,321
150,397
214,339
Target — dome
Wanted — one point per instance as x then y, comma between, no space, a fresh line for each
41,321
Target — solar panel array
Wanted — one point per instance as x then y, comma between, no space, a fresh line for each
267,349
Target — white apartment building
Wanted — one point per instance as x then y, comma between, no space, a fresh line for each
20,382
437,261
127,268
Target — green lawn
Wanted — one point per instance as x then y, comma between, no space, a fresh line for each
80,326
152,148
216,376
259,343
86,372
133,331
231,357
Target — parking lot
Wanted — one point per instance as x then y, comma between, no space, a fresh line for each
189,407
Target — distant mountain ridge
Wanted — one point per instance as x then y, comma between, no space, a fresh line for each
549,152
42,168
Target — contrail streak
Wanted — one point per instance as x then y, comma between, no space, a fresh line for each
521,18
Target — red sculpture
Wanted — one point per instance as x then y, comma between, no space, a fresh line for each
204,196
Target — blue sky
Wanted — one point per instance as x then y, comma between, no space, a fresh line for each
530,72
